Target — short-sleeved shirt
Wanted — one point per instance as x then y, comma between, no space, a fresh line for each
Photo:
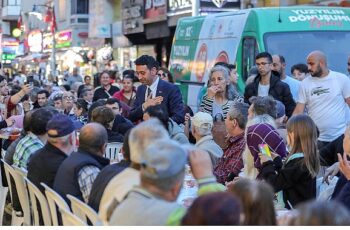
325,101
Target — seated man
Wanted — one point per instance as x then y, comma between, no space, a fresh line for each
162,175
77,173
44,163
118,187
35,139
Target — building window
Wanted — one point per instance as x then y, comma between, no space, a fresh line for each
11,2
80,7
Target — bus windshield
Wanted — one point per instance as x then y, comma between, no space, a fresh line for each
295,46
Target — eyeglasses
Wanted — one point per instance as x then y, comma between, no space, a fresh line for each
162,75
68,97
262,63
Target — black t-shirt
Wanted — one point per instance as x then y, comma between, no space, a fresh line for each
101,93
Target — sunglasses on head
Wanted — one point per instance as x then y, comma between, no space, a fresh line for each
163,75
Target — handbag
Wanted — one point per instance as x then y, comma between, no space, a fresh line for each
219,131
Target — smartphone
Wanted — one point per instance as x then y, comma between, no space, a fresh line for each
264,149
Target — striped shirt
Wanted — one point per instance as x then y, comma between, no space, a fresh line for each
207,105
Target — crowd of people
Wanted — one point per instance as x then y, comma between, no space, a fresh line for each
258,158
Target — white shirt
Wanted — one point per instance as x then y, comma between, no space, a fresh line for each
153,88
324,100
263,90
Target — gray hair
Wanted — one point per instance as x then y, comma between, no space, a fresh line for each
62,140
239,111
259,119
143,135
264,105
225,72
231,92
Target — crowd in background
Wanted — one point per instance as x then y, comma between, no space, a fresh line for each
276,154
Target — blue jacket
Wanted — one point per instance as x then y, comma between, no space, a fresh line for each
66,180
172,102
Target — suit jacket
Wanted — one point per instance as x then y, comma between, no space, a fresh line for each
172,102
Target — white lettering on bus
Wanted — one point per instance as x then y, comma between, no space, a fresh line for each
303,18
181,51
318,12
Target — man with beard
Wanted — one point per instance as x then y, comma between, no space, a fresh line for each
155,91
326,96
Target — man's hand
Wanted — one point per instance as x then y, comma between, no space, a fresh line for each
344,165
200,163
152,102
331,172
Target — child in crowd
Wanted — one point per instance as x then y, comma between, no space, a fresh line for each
297,177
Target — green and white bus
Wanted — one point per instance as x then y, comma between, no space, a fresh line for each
236,37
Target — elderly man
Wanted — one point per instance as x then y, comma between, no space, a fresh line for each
326,95
44,163
77,173
35,139
202,123
68,102
140,138
162,175
230,165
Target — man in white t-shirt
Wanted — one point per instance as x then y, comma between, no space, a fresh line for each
326,95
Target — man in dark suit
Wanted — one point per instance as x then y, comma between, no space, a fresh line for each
155,91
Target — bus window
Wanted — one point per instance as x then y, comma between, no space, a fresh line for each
250,50
295,46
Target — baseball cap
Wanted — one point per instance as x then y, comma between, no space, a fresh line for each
163,159
60,125
281,109
202,119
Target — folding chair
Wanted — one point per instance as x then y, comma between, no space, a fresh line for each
69,219
113,151
3,194
21,188
36,195
83,211
54,199
23,194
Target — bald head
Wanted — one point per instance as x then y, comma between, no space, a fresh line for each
93,138
317,64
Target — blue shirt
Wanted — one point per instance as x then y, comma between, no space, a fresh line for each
293,85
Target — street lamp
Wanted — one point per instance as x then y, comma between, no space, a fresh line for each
50,18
